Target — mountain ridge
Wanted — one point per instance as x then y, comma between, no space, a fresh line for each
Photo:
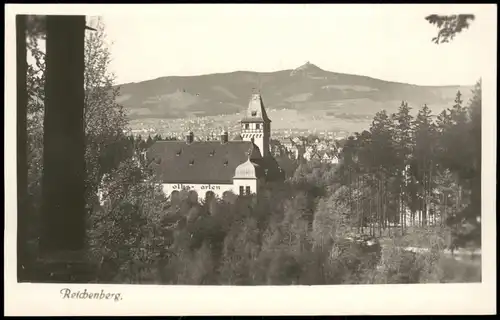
289,70
307,88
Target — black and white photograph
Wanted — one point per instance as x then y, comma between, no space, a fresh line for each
250,147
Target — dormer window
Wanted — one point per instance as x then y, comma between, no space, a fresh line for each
226,163
254,113
191,162
212,153
178,153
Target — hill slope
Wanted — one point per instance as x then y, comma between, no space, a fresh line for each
307,89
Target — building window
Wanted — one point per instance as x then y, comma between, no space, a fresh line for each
257,126
209,195
174,195
247,190
241,190
247,126
193,196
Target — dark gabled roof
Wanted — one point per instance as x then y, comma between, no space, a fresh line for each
284,141
271,168
199,162
237,137
331,153
316,154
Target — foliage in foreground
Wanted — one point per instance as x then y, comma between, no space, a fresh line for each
283,236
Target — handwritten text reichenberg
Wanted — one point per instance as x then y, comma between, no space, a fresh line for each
66,293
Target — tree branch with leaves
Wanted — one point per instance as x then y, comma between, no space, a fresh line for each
449,26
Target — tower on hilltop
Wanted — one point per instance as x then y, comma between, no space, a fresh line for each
256,125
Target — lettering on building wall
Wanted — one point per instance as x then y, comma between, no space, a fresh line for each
182,186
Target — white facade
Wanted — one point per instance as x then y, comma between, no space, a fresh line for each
245,179
245,182
330,159
307,155
239,186
245,186
201,189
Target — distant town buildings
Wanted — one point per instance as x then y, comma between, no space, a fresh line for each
308,148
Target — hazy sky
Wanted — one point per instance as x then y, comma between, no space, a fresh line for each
383,41
389,42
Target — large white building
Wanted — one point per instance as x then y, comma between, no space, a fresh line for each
240,165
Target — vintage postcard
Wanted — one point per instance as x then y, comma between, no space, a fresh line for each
250,159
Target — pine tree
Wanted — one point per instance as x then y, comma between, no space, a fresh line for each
443,125
458,113
467,219
141,144
455,148
457,135
384,162
365,173
423,159
149,142
403,138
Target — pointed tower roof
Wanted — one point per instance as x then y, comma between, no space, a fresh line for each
256,111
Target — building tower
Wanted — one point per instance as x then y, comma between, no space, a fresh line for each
256,125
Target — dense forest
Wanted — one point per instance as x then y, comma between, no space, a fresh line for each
404,182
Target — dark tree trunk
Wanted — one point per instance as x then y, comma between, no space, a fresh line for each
363,204
358,204
350,191
379,208
22,136
476,180
445,217
400,210
63,204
